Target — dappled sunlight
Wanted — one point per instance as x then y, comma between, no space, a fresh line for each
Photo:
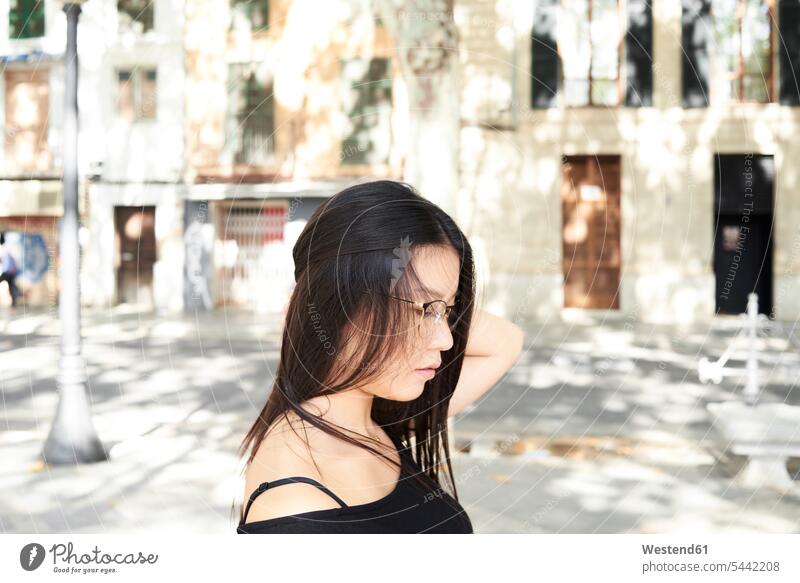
613,378
300,67
166,415
486,60
611,419
617,493
592,220
667,194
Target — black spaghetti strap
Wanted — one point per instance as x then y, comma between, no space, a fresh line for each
301,479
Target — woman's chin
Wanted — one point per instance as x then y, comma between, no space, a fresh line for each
408,393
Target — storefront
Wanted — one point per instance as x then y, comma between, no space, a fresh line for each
238,242
29,217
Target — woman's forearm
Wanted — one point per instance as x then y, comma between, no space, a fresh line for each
490,335
494,345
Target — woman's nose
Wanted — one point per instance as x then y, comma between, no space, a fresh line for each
442,337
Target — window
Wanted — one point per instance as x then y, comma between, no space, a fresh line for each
789,54
589,33
727,51
250,123
367,106
135,15
136,94
26,18
26,120
592,52
639,54
544,55
741,65
250,14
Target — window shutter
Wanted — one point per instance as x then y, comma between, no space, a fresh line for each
26,18
789,26
544,55
696,30
639,54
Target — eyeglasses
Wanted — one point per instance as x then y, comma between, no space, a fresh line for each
430,313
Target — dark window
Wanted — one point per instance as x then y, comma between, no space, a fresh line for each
252,14
789,23
367,101
639,54
250,131
579,42
544,55
695,32
26,18
135,15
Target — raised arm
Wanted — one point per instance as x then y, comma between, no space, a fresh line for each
493,347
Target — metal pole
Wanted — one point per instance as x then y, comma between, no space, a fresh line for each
72,438
751,388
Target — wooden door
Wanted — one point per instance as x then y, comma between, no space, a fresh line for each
135,253
590,200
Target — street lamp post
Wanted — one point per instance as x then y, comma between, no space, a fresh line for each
72,438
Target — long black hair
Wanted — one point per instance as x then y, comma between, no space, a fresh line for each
355,242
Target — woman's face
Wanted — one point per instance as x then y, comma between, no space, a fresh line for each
437,267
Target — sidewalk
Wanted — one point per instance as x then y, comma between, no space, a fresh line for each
601,427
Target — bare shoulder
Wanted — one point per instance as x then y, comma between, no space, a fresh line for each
285,452
289,500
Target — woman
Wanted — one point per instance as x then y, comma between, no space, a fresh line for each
381,343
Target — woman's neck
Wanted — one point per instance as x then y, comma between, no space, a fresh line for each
351,409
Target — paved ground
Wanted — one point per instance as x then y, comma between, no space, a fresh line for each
601,427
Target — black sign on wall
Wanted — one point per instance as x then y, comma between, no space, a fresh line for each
198,241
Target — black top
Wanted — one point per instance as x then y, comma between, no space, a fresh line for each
409,508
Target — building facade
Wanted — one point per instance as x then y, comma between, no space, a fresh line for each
133,147
625,156
282,111
633,157
30,187
130,147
